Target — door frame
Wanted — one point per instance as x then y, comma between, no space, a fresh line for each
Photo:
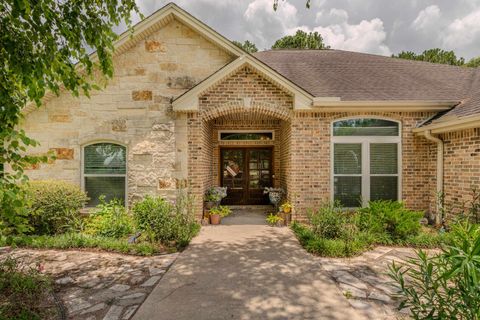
246,166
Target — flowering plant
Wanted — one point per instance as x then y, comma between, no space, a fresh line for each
215,194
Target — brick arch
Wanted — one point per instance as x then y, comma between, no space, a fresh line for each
260,108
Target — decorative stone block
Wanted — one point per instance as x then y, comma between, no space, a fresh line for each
119,125
139,71
59,118
168,66
142,95
164,183
63,153
184,82
154,46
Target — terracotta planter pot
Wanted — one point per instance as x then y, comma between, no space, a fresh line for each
215,219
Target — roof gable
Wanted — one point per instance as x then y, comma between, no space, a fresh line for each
189,100
162,17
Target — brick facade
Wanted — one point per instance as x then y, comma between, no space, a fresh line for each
168,150
461,167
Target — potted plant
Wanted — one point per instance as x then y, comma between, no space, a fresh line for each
217,213
274,220
286,212
274,195
214,196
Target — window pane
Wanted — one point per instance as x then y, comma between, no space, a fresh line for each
110,187
365,127
246,136
383,158
347,158
105,158
383,188
348,190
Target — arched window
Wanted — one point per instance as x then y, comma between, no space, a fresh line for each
366,161
104,172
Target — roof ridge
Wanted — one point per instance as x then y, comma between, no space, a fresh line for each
369,54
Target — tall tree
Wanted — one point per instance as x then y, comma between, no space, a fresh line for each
435,55
473,63
43,48
301,40
248,46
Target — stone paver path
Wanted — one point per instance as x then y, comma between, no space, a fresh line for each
98,285
363,280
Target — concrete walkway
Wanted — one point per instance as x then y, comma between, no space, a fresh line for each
246,270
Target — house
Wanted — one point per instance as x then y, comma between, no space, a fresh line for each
187,109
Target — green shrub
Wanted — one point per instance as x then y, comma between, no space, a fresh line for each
446,286
389,220
23,292
328,221
338,247
80,240
52,204
110,219
168,223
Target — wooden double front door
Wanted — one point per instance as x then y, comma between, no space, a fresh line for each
246,172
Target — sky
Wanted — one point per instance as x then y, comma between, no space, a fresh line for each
373,26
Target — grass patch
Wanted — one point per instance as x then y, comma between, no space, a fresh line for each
83,241
24,293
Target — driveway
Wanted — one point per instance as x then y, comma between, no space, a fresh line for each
246,270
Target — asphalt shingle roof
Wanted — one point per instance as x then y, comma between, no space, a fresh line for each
360,76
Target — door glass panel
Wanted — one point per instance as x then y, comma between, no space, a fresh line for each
233,175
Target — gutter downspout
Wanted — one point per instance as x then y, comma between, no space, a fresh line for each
440,148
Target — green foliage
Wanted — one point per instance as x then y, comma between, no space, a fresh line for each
446,286
23,292
335,232
473,63
328,221
81,240
389,220
215,194
301,40
44,48
437,55
170,224
248,46
273,219
329,247
110,219
53,204
222,211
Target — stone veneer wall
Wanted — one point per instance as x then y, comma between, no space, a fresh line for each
310,172
461,167
134,109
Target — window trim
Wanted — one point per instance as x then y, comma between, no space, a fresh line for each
245,131
365,142
82,167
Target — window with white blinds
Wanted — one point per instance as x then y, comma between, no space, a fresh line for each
366,161
104,172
